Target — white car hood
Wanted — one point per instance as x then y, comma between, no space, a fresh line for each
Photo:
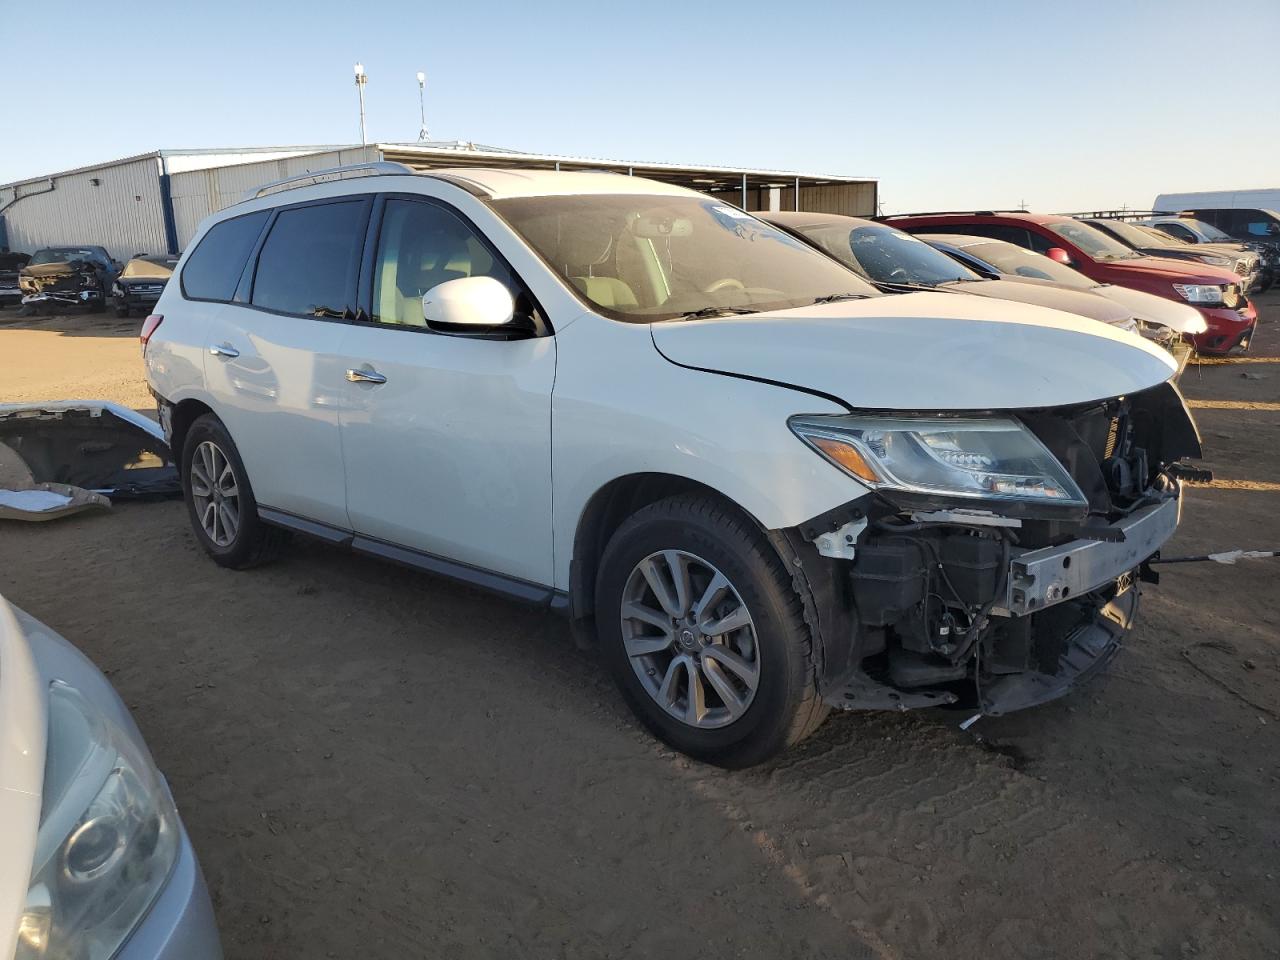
1082,302
923,351
1148,307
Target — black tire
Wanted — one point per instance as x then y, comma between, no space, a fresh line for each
122,312
254,542
786,706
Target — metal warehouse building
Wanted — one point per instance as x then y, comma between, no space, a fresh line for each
152,203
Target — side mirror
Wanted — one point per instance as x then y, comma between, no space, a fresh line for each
1060,255
470,302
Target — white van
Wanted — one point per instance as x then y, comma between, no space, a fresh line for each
763,488
1266,199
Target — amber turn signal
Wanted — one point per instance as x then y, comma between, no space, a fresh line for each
847,456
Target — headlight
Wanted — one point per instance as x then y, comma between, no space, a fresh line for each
107,839
116,290
1207,293
1216,261
988,459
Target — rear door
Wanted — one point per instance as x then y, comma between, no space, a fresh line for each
272,361
446,437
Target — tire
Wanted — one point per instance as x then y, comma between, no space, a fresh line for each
122,312
706,537
208,449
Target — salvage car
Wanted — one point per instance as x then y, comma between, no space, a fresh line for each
95,863
1215,291
141,282
897,261
70,276
1172,325
1245,264
10,264
763,488
1259,230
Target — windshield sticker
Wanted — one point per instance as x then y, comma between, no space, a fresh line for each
732,212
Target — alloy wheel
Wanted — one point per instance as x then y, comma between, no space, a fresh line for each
690,639
215,493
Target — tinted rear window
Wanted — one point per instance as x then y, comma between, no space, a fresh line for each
310,258
214,269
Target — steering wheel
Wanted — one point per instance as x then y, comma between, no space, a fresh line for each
724,284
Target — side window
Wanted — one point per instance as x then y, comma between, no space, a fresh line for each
213,269
310,259
998,231
1177,230
1039,243
420,246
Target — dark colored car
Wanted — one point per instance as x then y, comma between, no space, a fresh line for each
141,282
1214,291
10,264
72,276
1244,263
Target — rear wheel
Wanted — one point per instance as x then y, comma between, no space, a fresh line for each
704,633
220,502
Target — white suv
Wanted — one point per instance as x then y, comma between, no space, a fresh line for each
761,486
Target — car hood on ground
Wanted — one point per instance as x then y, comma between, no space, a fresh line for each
1149,308
1045,293
923,352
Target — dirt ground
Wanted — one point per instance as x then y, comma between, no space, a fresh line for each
373,763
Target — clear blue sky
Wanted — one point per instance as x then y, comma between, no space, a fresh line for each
1063,104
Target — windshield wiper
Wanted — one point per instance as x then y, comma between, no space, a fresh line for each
834,297
706,312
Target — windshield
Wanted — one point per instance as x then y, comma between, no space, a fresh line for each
1092,241
644,258
1162,239
1015,261
1209,231
65,255
1127,232
149,268
886,255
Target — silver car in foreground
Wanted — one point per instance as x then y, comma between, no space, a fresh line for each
94,861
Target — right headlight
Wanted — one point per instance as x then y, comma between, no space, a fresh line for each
1203,293
987,459
108,837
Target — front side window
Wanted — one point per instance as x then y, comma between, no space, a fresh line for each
645,258
1092,241
886,255
310,259
422,245
214,267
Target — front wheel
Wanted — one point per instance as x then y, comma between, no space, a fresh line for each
704,633
220,502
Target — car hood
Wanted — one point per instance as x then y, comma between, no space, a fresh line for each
1149,308
922,352
44,270
1045,293
1175,271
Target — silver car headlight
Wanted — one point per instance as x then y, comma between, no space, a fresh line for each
107,841
987,459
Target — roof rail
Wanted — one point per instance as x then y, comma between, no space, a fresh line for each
376,168
945,213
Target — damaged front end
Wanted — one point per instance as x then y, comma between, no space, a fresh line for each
73,283
997,559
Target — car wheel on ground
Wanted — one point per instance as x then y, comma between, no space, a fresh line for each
704,633
122,312
220,502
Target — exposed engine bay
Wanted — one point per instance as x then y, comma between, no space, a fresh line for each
924,602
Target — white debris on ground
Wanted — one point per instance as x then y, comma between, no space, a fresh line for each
33,501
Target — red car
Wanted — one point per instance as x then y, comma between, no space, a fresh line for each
1215,291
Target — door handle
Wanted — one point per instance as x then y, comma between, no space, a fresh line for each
365,376
224,350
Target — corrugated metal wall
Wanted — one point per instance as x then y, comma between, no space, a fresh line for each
122,212
846,199
198,193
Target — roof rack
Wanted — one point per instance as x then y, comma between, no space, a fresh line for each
376,168
945,213
1121,214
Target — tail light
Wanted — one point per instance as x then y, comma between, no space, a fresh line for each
149,326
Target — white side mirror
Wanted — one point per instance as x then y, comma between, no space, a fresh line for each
468,302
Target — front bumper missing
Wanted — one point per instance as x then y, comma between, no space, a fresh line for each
1048,576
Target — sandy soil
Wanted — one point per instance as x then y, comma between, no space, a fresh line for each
373,763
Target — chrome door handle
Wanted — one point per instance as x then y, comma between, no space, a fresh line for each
365,376
224,350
